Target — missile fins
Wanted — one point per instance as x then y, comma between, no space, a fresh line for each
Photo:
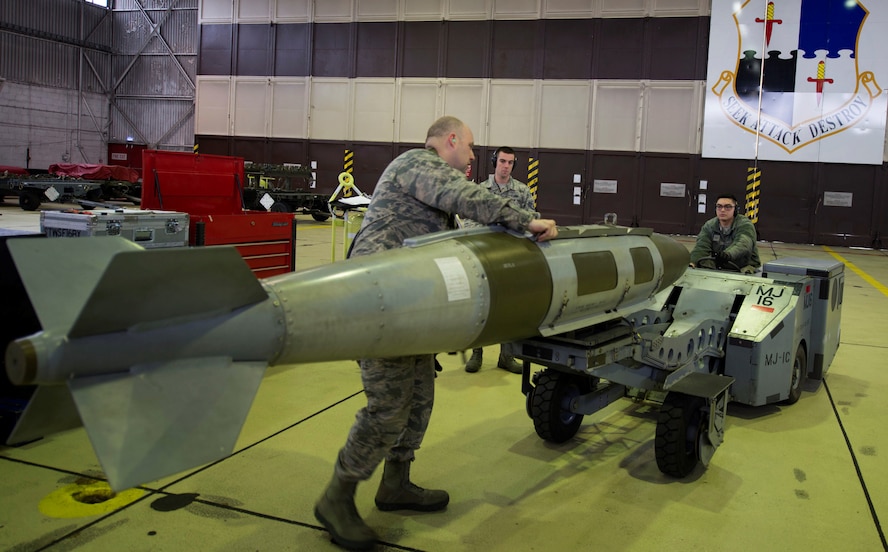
50,409
204,404
57,300
112,284
145,287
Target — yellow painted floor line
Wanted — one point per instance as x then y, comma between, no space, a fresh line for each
869,279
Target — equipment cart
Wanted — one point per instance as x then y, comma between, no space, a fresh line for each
716,337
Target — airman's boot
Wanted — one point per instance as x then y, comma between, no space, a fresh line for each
474,363
508,363
396,492
337,513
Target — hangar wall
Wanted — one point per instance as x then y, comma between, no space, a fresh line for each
52,106
593,90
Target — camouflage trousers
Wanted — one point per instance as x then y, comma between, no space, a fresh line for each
400,393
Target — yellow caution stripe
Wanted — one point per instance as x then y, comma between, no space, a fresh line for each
866,277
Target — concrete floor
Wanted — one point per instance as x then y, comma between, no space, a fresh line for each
812,476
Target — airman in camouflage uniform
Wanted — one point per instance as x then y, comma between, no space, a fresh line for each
419,192
727,240
502,184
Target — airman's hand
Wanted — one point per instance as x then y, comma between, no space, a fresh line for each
543,229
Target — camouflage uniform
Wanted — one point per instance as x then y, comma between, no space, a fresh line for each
738,240
417,194
513,189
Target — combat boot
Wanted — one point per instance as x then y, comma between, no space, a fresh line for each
337,513
396,492
508,363
474,363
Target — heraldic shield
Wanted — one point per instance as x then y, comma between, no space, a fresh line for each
797,78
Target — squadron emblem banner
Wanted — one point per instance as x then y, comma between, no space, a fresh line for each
797,80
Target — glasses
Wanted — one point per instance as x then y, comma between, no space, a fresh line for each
723,207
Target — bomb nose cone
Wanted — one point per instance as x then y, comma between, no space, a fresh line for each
21,362
675,258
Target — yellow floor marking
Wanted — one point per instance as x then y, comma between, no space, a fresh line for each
86,499
869,279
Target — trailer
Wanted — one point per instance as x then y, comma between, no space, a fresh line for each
32,190
716,337
284,189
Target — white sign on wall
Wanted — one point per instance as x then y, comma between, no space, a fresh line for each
797,80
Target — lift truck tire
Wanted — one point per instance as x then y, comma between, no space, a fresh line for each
799,373
681,425
550,403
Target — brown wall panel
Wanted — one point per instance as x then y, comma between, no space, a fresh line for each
467,47
215,49
330,159
292,50
376,49
664,213
722,176
658,48
253,150
213,145
286,151
619,49
331,54
555,187
370,161
421,52
673,48
846,226
514,49
787,200
880,209
253,50
567,48
624,167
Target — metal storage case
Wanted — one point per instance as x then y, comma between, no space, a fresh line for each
150,229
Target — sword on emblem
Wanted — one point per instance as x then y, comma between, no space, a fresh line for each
769,22
821,74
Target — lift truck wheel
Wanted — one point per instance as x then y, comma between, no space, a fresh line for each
682,423
320,217
29,201
280,207
799,374
550,405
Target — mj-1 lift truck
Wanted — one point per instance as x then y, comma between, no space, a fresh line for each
715,337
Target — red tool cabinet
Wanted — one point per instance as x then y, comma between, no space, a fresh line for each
210,189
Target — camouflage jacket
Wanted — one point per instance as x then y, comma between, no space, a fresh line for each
739,240
418,193
514,189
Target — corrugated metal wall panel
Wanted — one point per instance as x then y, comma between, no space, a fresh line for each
154,90
38,61
132,30
125,5
61,18
48,63
156,75
97,72
163,122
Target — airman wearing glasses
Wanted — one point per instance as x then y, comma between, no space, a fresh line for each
727,241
